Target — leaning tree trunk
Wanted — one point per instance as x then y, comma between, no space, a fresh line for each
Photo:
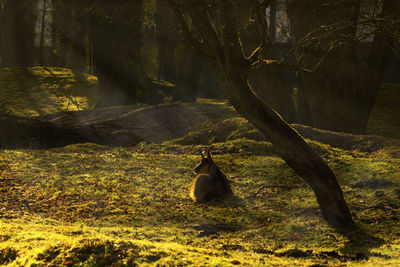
289,145
223,49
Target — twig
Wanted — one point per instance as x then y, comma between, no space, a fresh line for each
272,186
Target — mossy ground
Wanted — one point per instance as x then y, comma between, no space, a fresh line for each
87,205
45,90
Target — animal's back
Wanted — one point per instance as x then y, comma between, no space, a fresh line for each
209,187
222,185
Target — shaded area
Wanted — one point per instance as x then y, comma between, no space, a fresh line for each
22,132
180,123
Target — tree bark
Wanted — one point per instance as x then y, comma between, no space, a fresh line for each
289,145
272,20
269,84
70,33
379,54
303,107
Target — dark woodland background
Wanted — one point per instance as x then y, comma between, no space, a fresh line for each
105,106
134,48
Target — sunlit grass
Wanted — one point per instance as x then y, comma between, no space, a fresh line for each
90,204
45,90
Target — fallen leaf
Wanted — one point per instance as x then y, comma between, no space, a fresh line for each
296,237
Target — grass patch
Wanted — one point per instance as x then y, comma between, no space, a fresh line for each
92,206
45,90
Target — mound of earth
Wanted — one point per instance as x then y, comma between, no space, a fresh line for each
228,129
201,123
363,143
153,124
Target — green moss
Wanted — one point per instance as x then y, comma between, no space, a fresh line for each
82,148
45,90
89,205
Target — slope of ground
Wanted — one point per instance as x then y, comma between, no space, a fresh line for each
178,123
45,90
87,205
155,124
205,122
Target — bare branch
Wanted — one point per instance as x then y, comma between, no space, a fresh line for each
188,35
205,26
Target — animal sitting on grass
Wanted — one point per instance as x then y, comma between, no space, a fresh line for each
210,184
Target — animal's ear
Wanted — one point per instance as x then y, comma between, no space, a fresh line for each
209,155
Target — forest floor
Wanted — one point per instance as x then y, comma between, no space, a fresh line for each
94,205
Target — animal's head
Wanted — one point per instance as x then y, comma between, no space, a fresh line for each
206,165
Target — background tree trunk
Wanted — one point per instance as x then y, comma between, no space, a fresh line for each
19,17
272,20
42,32
267,81
339,97
70,34
303,108
167,39
117,54
379,54
188,70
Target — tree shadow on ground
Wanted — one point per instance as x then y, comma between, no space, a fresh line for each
360,244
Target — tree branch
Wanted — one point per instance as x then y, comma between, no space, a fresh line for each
186,32
205,26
